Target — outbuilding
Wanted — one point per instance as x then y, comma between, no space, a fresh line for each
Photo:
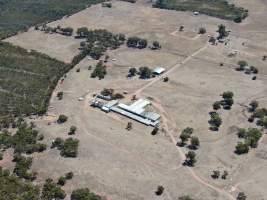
159,70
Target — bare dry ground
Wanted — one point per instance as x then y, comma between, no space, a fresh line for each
131,164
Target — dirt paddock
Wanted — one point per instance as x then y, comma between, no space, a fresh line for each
129,165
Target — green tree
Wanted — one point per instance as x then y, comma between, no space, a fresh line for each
217,105
72,130
202,30
241,196
62,118
82,32
84,194
190,158
160,190
253,105
52,191
132,71
222,31
241,148
194,142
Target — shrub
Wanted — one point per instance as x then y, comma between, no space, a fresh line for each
132,71
61,181
241,148
202,30
217,105
60,95
145,72
190,158
70,148
52,191
72,130
159,190
62,118
84,194
69,175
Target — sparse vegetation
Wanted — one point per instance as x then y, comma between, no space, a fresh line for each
221,8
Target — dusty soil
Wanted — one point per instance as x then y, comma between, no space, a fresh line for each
130,165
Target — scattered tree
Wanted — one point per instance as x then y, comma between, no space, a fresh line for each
190,158
202,30
62,118
159,190
215,174
241,196
194,142
72,130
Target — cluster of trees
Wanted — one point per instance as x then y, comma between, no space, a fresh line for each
52,191
215,121
23,164
68,31
29,79
186,135
62,180
25,140
251,137
110,93
243,66
99,71
216,174
98,41
258,113
136,42
68,147
143,72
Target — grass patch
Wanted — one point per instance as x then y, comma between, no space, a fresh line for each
19,15
27,80
216,8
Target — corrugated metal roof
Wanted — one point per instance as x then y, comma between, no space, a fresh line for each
152,116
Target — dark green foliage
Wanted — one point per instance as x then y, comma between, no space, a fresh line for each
253,106
194,142
82,32
219,8
132,72
202,30
84,194
241,196
159,190
19,15
241,148
70,148
130,1
155,45
215,174
215,121
27,80
52,191
222,31
242,64
60,95
145,72
62,118
251,137
72,130
99,41
13,188
228,100
190,158
69,175
217,105
58,143
1,156
61,181
99,71
23,141
225,174
136,42
155,131
22,166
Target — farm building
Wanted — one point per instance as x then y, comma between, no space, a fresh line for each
159,70
136,111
